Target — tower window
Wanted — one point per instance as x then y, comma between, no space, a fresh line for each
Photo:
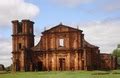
19,45
31,30
19,29
61,42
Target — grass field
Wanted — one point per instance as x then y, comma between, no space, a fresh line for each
63,74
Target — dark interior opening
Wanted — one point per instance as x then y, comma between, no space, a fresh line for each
19,28
82,64
61,64
19,45
39,66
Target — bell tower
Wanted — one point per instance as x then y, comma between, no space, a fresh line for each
22,41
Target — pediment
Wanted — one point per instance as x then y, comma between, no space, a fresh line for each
61,28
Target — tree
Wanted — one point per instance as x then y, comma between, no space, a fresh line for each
116,53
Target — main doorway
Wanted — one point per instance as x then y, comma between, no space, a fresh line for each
61,64
39,66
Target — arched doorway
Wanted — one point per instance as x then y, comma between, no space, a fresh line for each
39,66
62,64
82,64
17,65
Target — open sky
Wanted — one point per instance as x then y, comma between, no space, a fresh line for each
99,20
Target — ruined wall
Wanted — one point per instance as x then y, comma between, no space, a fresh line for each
108,62
60,48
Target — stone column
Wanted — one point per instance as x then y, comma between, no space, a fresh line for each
31,66
80,61
54,62
85,59
46,61
22,61
76,60
57,65
68,61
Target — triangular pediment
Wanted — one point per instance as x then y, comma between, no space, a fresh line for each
61,28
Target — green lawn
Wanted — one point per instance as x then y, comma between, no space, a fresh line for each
63,74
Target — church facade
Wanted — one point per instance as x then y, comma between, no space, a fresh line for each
61,48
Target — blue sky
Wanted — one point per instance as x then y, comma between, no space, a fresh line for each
99,20
54,12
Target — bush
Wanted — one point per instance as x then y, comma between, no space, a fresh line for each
2,68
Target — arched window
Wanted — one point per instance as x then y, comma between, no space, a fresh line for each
61,42
20,46
19,28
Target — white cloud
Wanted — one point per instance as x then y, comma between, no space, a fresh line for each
11,10
91,5
71,3
5,51
104,34
106,6
16,9
110,5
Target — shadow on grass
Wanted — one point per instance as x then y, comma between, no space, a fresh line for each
4,72
115,72
101,73
105,72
